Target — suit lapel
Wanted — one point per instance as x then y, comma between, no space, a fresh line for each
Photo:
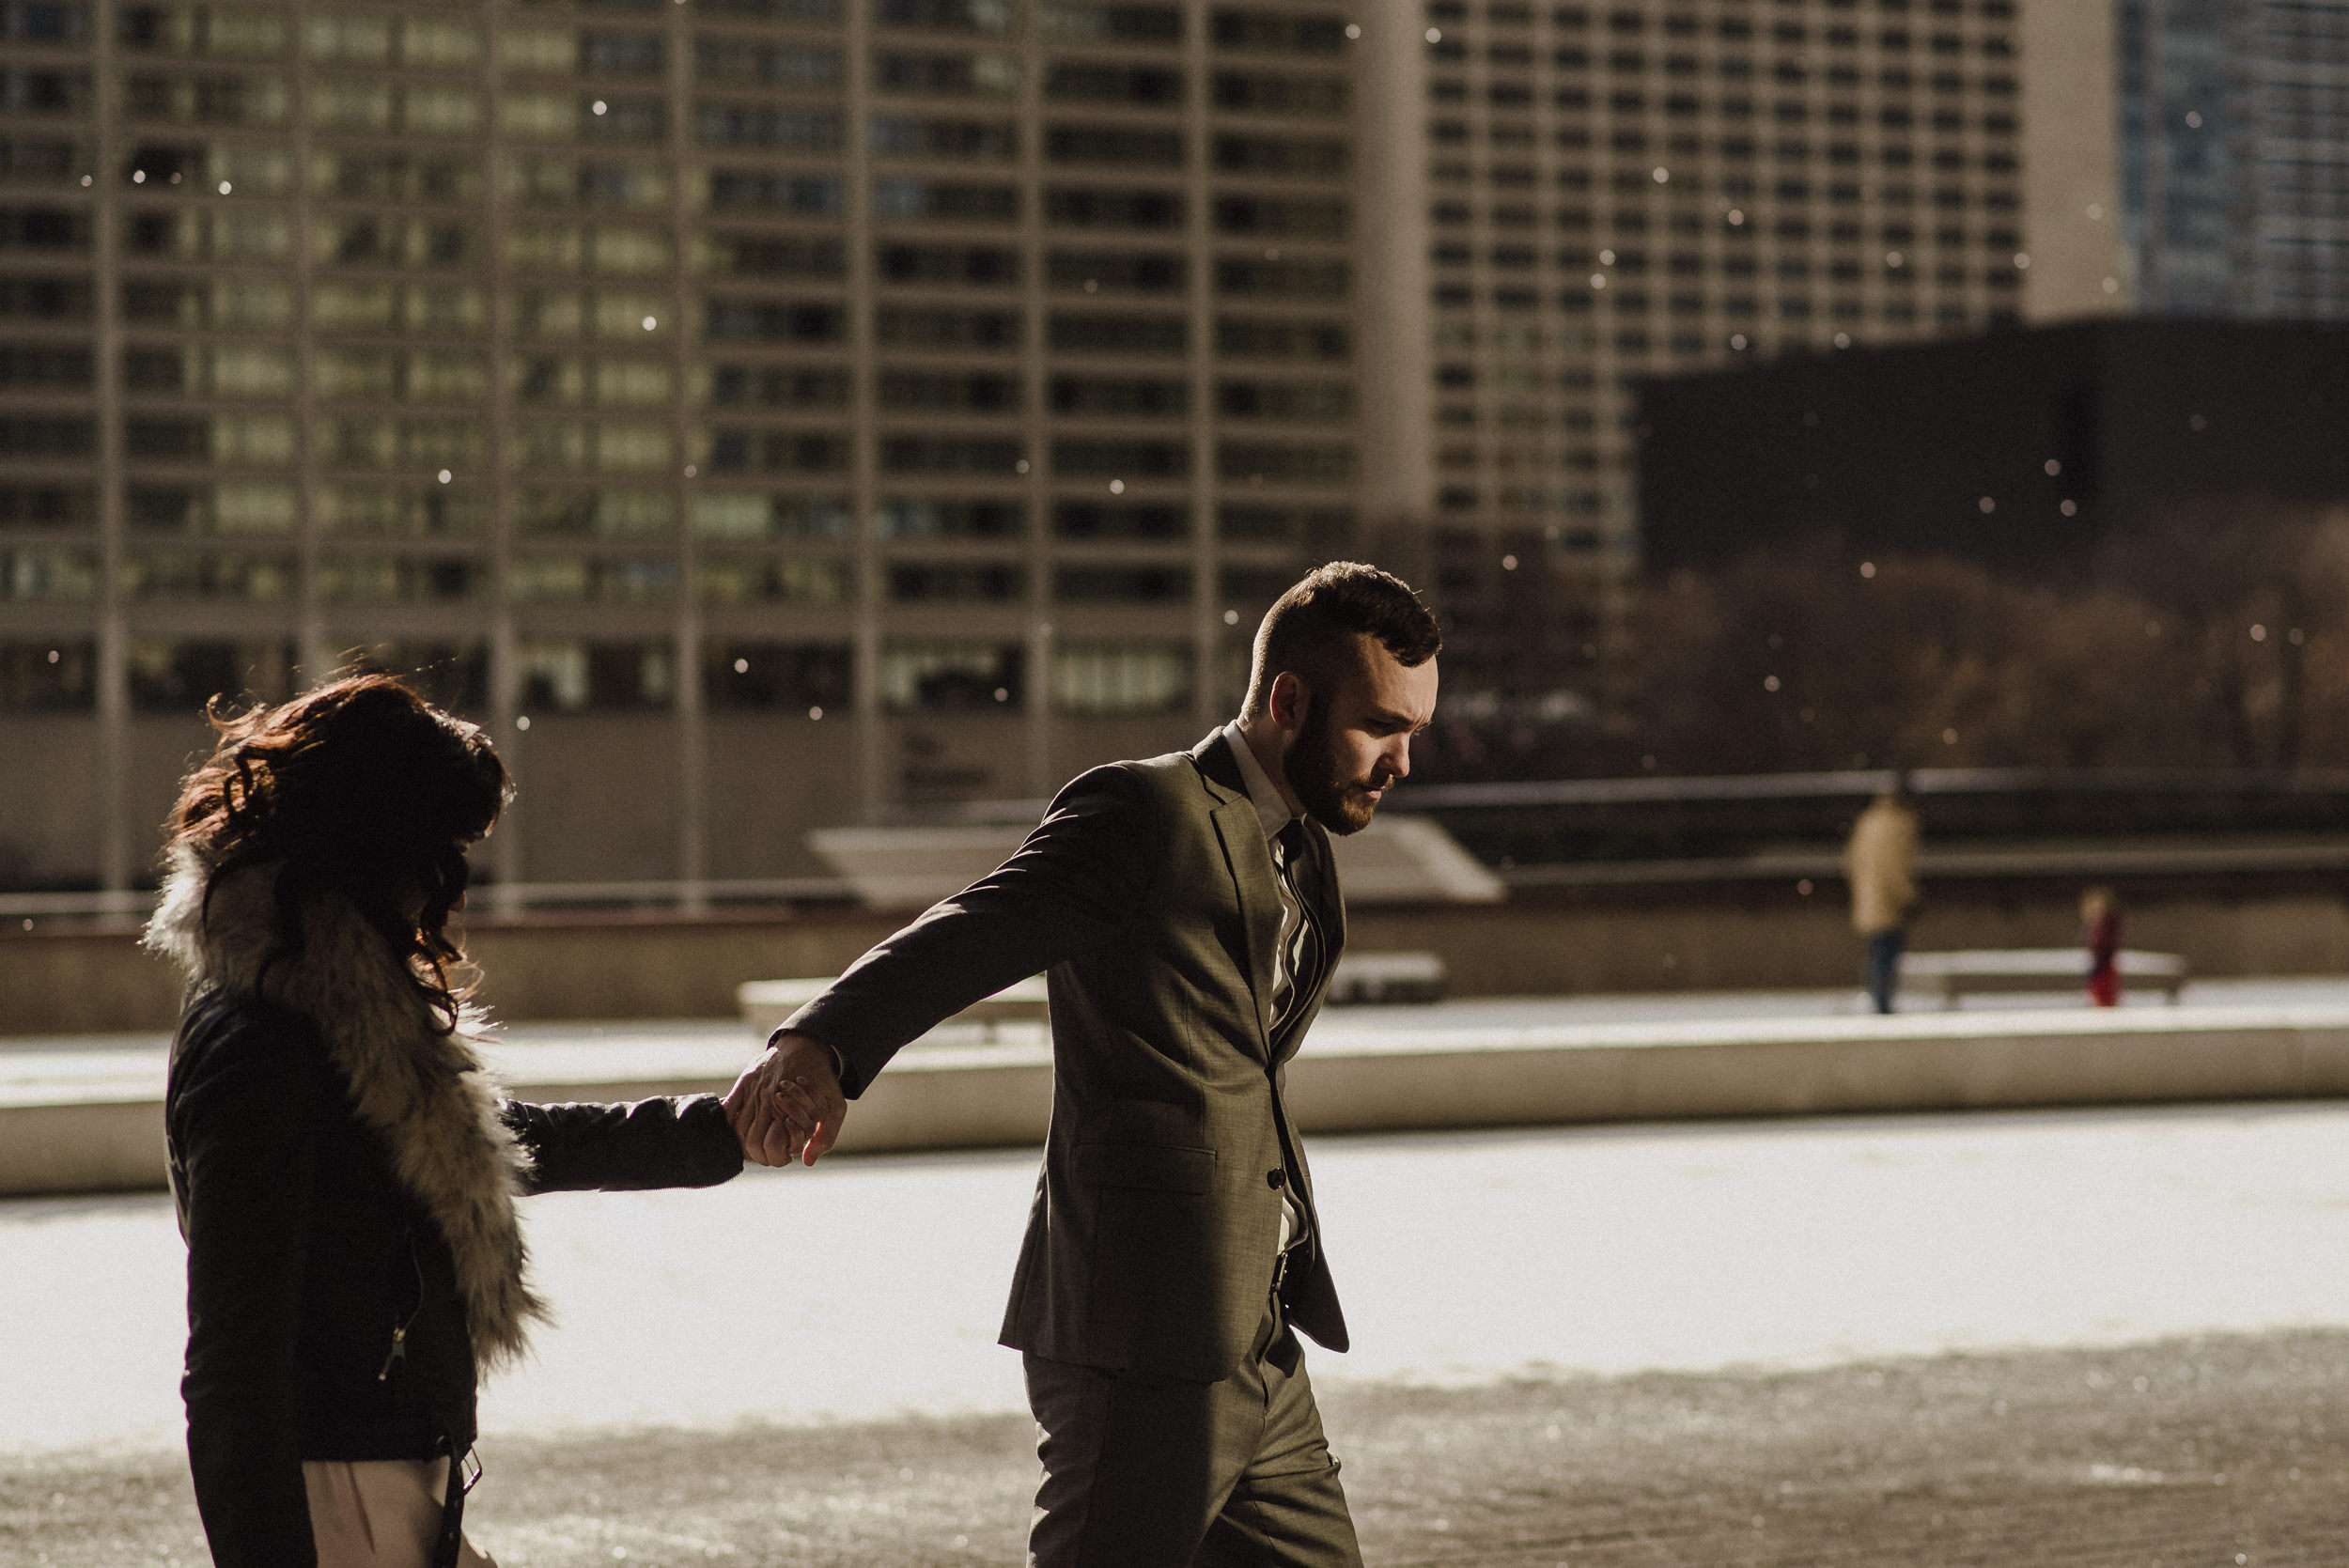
1250,861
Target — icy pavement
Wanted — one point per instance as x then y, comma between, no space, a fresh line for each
870,1287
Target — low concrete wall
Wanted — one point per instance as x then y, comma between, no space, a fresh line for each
1552,943
995,1097
98,1146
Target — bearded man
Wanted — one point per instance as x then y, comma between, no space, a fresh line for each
1187,909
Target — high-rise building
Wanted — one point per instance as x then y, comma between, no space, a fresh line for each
1575,195
761,412
2235,188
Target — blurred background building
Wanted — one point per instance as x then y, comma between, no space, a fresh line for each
761,413
2027,450
768,414
2234,151
1577,197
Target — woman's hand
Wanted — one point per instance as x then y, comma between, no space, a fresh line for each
787,1105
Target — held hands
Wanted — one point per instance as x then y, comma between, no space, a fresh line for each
787,1105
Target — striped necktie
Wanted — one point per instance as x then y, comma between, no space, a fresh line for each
1299,946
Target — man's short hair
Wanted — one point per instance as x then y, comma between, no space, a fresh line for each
1309,627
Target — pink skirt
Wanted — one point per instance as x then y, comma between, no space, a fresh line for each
380,1513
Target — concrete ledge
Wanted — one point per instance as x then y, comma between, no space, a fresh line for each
97,1128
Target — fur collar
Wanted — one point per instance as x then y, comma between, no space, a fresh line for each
425,1091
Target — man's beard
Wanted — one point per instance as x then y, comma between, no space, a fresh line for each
1311,766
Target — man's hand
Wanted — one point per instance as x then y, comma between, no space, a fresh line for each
787,1105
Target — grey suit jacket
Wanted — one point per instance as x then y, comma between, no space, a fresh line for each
1147,893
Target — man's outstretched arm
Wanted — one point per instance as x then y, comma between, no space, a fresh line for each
1072,886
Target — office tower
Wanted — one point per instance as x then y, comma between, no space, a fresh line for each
761,412
2232,118
1577,196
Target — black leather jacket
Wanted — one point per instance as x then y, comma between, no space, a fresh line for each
305,1253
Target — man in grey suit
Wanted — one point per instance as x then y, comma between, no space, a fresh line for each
1187,909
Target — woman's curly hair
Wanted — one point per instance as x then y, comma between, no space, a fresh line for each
362,788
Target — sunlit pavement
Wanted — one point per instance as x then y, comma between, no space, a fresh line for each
871,1287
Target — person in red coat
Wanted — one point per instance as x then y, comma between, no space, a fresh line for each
2100,917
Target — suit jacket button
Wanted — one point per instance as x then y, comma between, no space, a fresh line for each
1276,1178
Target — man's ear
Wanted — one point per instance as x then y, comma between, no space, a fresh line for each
1287,705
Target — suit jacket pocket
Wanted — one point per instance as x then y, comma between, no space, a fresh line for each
1159,1167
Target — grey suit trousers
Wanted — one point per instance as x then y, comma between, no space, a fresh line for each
1163,1472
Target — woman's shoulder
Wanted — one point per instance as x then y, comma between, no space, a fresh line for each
235,1030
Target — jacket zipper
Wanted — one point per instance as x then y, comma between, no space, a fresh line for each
399,1330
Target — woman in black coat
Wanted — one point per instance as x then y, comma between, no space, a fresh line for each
345,1170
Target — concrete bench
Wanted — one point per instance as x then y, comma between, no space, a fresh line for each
1367,978
768,1003
1951,975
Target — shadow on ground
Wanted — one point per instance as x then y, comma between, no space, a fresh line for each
2196,1454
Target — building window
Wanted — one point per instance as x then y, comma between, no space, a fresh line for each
1120,396
48,505
1284,524
399,579
949,16
1118,272
757,515
1086,207
950,677
454,675
802,66
378,509
1279,93
1112,82
1277,32
986,73
1284,462
48,677
1295,277
1243,338
777,386
1116,678
1128,459
771,677
575,676
743,190
736,451
911,136
911,453
970,265
592,579
956,581
1109,23
1120,145
1288,217
937,327
770,580
945,201
773,128
154,574
950,392
1069,332
182,676
758,321
1122,585
935,517
1115,520
595,514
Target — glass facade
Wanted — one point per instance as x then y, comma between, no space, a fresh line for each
1599,193
2234,192
878,348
